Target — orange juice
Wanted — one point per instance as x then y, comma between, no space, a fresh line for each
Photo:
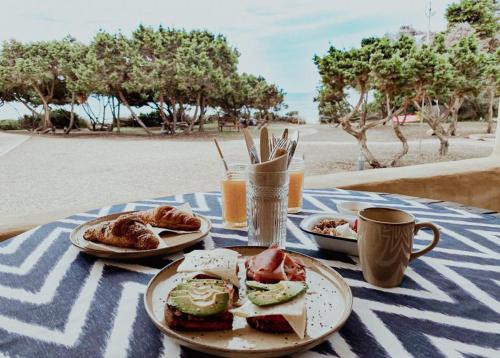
295,191
234,198
296,180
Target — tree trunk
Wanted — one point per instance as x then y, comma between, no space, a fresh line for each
397,130
201,119
364,113
72,115
360,134
113,114
46,123
404,150
118,125
165,124
452,130
137,119
453,125
189,128
174,117
443,144
370,158
436,125
491,93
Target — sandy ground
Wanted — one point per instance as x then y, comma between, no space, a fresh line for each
50,173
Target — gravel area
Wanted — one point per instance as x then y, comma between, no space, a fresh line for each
50,173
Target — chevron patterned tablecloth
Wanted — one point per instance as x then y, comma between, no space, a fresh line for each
57,302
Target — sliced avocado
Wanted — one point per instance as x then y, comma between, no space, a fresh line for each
258,285
199,299
190,287
215,304
280,292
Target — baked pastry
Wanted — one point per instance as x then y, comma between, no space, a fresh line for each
127,231
168,217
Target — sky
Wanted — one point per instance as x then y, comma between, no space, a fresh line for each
276,38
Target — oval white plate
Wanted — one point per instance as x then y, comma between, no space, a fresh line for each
175,242
330,242
328,301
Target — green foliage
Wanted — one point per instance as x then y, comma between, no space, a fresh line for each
482,15
157,67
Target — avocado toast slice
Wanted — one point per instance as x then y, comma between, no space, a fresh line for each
200,305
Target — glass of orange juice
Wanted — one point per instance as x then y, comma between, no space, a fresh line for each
296,183
234,196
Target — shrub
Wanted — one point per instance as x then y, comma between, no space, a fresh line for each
29,122
151,119
59,117
9,125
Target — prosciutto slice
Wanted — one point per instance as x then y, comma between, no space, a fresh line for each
273,265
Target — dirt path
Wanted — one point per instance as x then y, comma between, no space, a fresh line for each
49,173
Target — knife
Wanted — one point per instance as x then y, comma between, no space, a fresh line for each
264,145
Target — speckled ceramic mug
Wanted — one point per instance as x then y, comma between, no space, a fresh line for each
385,241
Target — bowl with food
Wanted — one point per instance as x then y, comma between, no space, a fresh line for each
352,207
333,232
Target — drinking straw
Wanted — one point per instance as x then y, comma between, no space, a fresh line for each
221,155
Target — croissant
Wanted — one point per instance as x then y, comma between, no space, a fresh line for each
169,217
125,231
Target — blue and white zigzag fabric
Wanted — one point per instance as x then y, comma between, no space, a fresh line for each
57,302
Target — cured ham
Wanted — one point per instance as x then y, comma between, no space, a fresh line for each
273,265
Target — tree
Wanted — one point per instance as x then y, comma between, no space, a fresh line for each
491,83
389,63
172,71
343,70
432,75
467,64
36,67
265,98
72,55
110,62
237,94
156,72
206,66
481,15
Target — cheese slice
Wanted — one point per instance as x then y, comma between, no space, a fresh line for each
221,263
298,323
293,311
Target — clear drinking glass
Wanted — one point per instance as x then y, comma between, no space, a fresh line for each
233,188
296,173
267,207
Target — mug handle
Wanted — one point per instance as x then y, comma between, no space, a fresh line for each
433,244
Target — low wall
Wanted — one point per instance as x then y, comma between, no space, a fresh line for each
474,182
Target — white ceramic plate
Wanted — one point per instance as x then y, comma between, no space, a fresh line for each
328,300
330,242
173,242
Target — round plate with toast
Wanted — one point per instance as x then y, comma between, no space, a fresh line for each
328,304
171,241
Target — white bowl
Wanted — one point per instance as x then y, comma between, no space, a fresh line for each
335,243
352,207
